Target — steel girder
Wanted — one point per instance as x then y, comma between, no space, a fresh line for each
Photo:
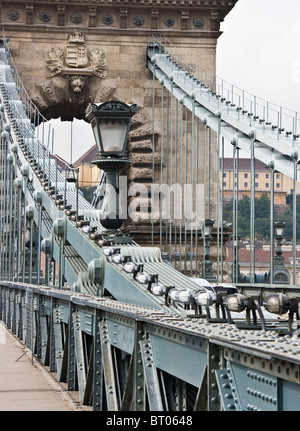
122,357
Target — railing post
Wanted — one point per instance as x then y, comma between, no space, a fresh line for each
139,387
98,367
213,358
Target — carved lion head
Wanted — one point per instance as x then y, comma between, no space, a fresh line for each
77,83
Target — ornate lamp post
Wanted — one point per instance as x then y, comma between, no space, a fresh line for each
207,272
281,274
279,231
110,123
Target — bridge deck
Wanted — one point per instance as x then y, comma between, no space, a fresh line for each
25,385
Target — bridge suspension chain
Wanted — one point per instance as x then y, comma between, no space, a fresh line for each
55,218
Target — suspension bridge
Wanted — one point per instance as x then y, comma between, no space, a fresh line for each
157,328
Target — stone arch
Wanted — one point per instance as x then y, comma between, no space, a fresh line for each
67,97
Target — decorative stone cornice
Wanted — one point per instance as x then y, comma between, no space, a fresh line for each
163,15
191,4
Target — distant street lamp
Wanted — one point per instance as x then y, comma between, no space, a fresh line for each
279,228
110,123
281,274
279,231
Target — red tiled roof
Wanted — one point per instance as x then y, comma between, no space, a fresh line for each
88,156
261,256
244,164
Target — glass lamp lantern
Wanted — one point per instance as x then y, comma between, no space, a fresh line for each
279,229
110,123
208,225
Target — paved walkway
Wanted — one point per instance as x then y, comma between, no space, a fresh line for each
24,384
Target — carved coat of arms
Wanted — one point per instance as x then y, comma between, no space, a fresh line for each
76,59
77,55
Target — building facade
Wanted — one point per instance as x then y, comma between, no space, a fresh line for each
241,180
88,173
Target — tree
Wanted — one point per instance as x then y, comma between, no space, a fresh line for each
262,207
262,217
244,206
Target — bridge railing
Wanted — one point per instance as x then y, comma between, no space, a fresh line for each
31,111
34,126
270,116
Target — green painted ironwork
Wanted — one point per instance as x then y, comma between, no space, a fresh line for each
100,328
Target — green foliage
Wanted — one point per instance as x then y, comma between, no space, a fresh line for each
262,216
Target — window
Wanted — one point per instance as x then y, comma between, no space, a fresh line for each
224,183
256,175
245,184
277,176
256,184
245,175
277,185
267,175
267,185
224,175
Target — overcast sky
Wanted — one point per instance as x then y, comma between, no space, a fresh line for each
259,51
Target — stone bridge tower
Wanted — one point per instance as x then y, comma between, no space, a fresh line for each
71,53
